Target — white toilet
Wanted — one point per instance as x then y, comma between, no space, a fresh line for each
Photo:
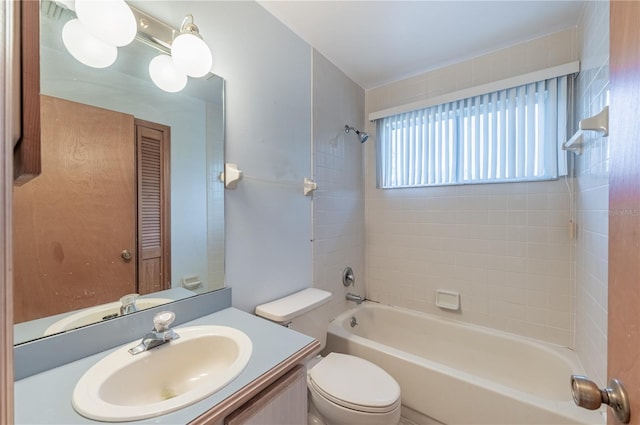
343,389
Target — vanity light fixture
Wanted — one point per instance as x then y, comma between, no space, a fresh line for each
189,51
104,25
100,28
111,21
86,48
166,75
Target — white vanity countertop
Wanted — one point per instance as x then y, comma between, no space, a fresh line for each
45,398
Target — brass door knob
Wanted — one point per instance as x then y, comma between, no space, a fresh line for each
587,394
126,255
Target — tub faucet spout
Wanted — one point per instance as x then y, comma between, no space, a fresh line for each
353,297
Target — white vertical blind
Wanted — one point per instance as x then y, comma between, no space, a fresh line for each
507,135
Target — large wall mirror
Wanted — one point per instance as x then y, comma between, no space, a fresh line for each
129,200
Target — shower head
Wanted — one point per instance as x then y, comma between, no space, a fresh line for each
362,136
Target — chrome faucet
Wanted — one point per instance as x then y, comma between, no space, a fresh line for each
128,304
161,334
353,297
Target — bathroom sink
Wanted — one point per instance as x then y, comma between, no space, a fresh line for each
98,314
126,387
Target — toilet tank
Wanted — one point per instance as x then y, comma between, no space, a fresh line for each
306,311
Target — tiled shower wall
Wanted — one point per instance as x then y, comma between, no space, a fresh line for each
338,204
504,247
592,195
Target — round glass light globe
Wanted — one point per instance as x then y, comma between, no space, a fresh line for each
69,4
191,55
85,47
165,75
111,21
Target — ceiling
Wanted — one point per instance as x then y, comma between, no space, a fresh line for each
377,42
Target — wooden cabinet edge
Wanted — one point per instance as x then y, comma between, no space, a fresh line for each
26,153
273,396
217,414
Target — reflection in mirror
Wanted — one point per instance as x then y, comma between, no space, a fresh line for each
129,199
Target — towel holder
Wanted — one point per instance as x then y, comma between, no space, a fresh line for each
231,175
598,123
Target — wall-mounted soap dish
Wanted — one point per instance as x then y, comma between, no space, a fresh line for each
191,282
448,300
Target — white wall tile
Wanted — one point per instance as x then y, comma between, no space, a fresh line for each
592,192
536,282
554,49
501,251
338,204
504,247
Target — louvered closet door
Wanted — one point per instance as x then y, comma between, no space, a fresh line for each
154,243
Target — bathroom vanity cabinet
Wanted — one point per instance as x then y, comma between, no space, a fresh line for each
283,402
270,390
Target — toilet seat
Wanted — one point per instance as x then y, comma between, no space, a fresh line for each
354,383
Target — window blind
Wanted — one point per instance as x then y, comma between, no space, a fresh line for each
508,135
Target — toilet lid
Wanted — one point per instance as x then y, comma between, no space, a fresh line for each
355,383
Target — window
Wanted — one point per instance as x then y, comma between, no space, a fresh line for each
508,135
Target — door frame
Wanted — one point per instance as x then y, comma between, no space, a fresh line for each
623,333
9,121
165,200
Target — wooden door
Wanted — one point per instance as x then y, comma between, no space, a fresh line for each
624,202
154,206
72,223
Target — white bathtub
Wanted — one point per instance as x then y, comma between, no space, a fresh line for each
458,373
